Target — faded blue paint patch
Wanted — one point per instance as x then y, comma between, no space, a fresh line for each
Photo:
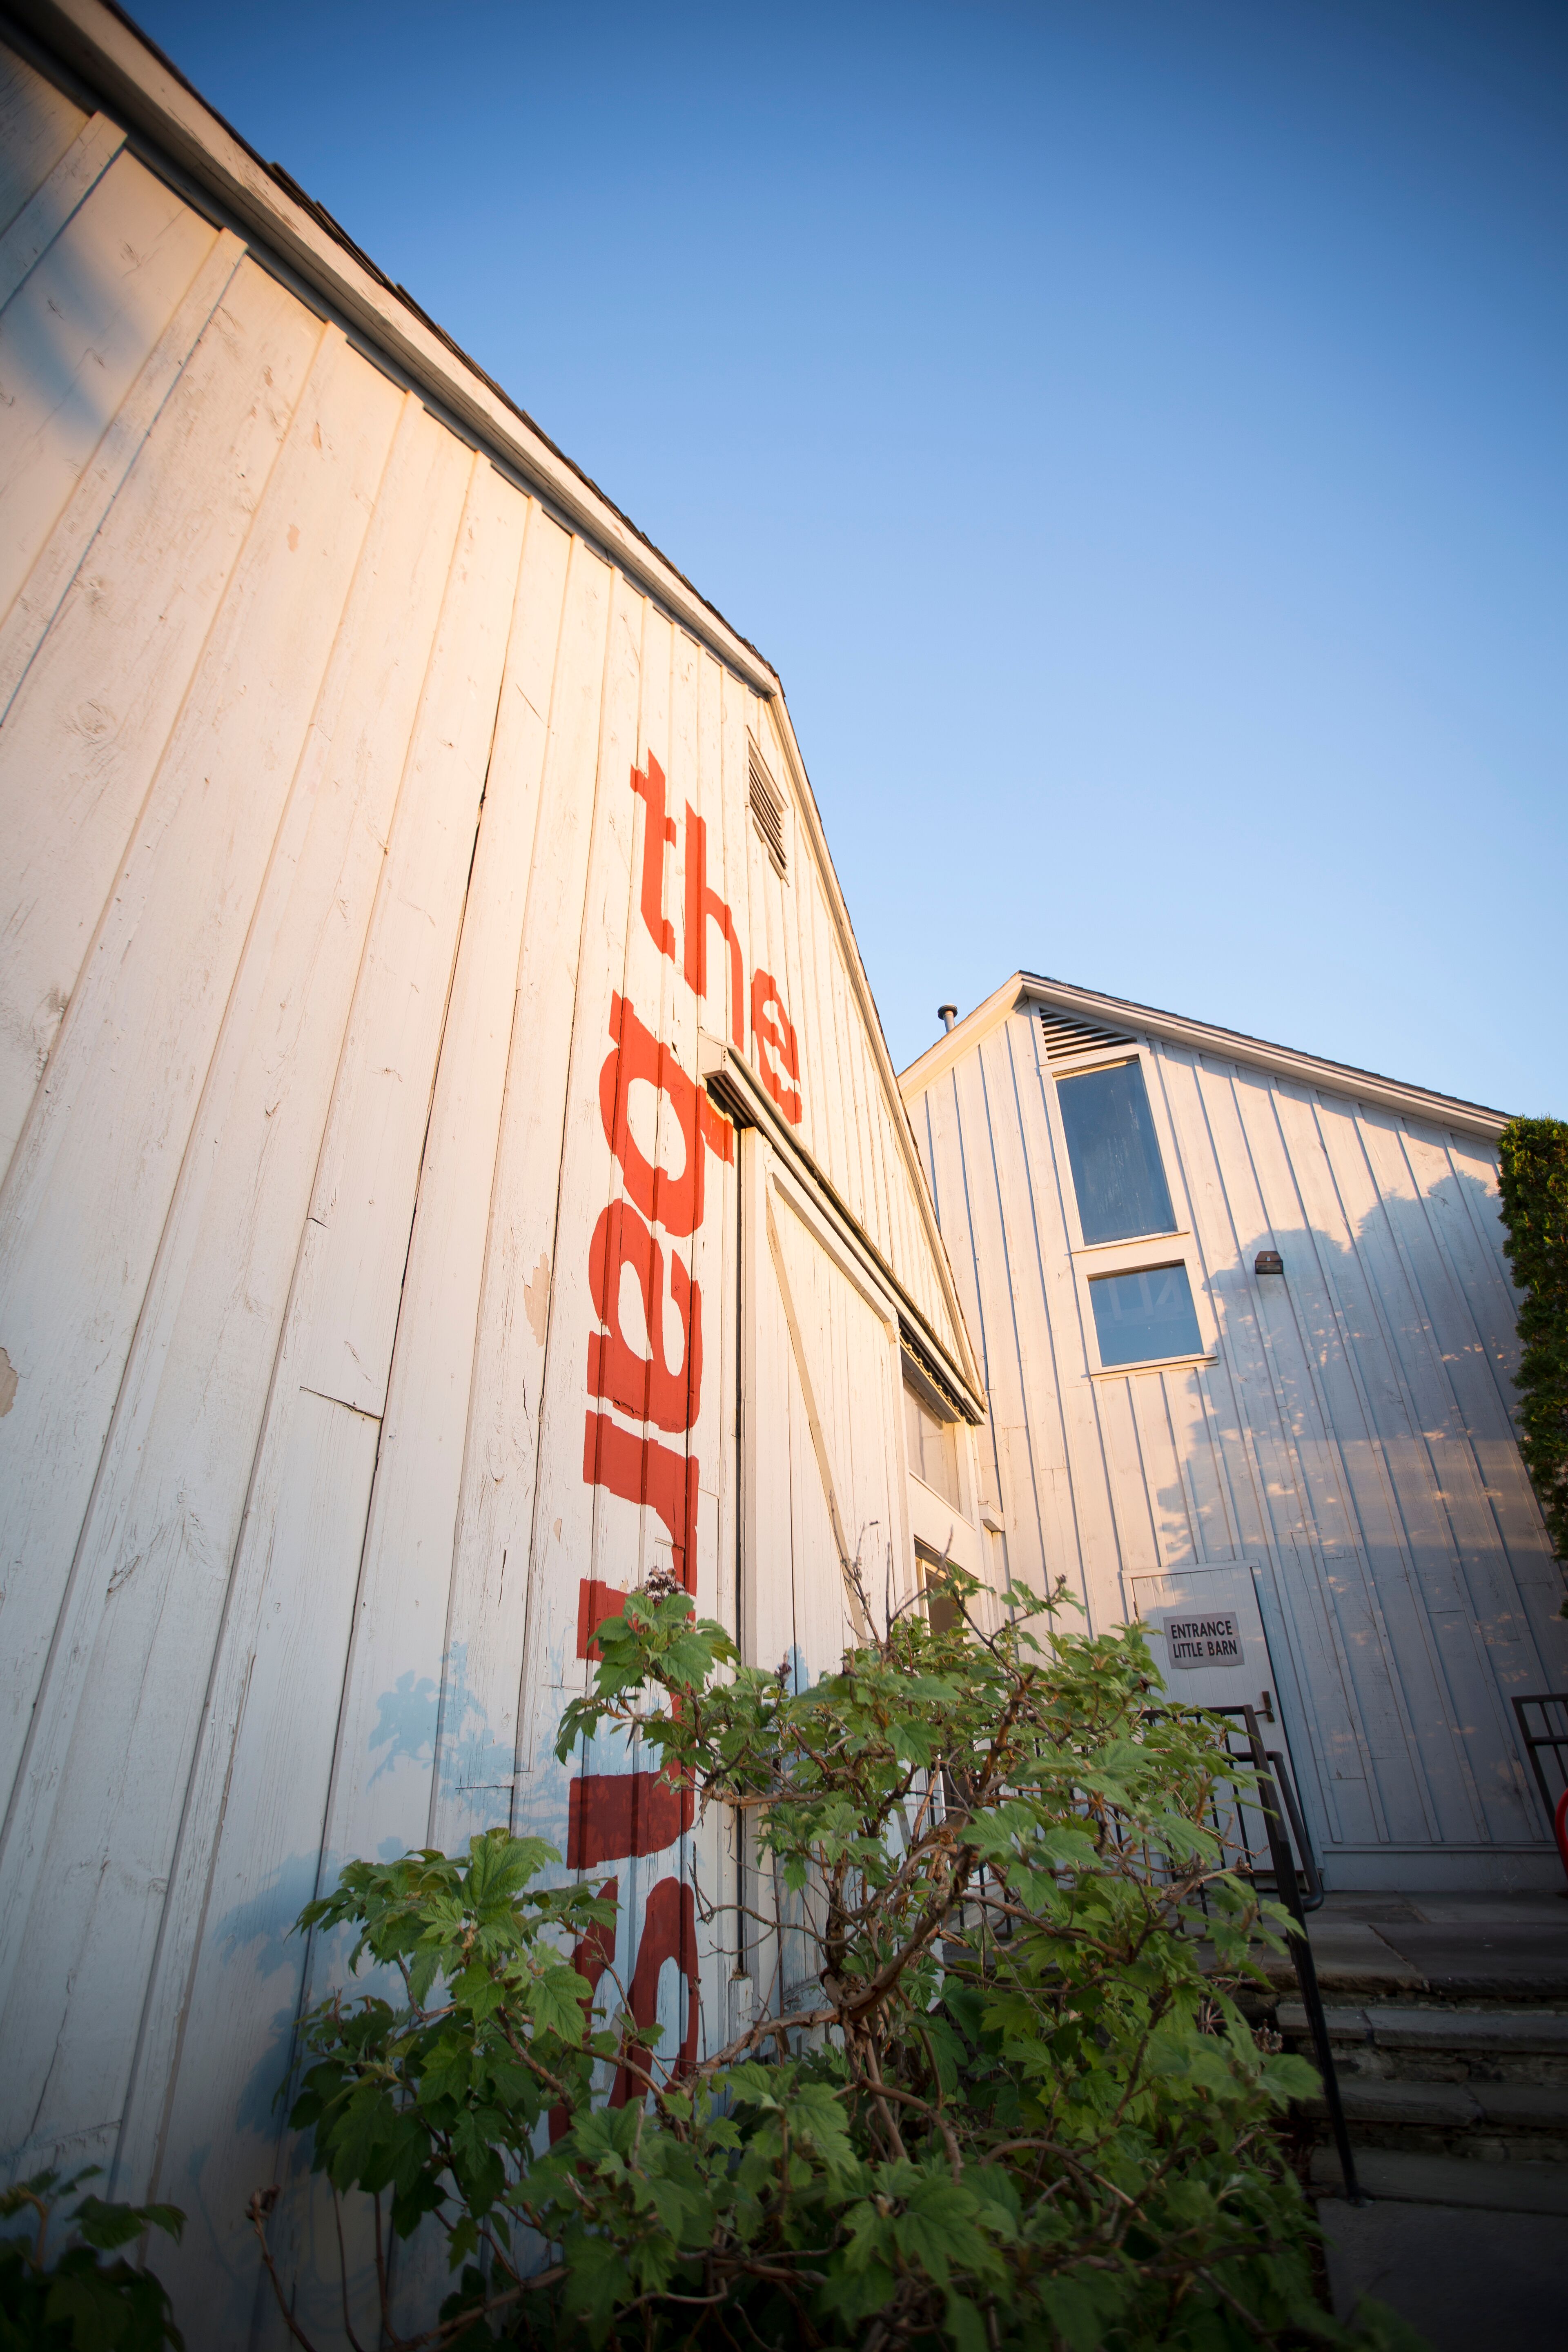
407,1722
476,1767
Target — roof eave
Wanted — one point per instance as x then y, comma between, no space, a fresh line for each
115,59
1203,1036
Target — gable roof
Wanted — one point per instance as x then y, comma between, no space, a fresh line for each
118,63
1203,1037
118,60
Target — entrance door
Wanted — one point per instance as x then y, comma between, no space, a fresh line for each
1206,1633
1206,1630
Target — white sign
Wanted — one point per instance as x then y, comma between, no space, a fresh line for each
1213,1640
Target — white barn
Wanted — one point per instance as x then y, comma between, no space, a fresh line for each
1246,1331
451,1163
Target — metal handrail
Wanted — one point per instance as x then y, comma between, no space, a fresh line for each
1277,1803
1312,1895
1270,1760
1535,1743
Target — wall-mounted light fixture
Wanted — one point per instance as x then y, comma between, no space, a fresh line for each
1268,1262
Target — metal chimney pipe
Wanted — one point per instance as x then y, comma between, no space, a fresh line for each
947,1014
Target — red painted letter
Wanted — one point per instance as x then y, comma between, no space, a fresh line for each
702,905
642,1385
674,1202
596,1602
783,1042
612,1816
658,833
668,1932
642,1471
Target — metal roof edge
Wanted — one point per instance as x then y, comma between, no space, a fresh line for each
99,42
1205,1036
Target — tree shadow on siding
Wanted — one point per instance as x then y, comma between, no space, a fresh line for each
1397,1341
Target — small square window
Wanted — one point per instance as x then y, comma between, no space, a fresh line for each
944,1614
1117,1171
1139,1317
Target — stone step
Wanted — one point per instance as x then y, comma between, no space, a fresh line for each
1511,2188
1513,2107
1511,2033
1504,1958
1522,2106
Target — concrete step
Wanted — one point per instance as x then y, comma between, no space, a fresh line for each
1464,2281
1441,2030
1507,2107
1486,1952
1481,2122
1511,2188
1522,2106
1436,2106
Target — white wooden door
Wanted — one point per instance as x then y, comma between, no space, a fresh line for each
826,1552
1206,1630
823,1444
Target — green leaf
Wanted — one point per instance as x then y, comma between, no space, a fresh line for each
108,2226
966,2327
86,2304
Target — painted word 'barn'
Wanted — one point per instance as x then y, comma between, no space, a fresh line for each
451,1165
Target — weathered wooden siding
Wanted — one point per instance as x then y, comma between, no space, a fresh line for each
1351,1436
368,1252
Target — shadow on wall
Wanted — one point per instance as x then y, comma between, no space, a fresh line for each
1384,1363
50,349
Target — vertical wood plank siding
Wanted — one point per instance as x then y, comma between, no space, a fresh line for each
1349,1436
329,757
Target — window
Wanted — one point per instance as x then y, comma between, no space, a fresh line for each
932,1448
1139,1317
943,1612
1116,1168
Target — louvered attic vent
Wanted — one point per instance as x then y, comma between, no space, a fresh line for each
1065,1035
767,808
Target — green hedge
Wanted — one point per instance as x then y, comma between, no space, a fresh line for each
1534,1183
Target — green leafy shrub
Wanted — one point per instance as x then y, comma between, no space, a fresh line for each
1534,1181
70,2300
1011,2109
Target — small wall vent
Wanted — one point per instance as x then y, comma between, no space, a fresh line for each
767,809
1063,1035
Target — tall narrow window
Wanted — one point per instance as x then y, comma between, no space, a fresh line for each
933,1447
1116,1168
1139,1317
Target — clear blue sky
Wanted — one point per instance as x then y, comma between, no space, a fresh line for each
1135,429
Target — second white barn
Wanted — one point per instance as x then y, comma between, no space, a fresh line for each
1246,1331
